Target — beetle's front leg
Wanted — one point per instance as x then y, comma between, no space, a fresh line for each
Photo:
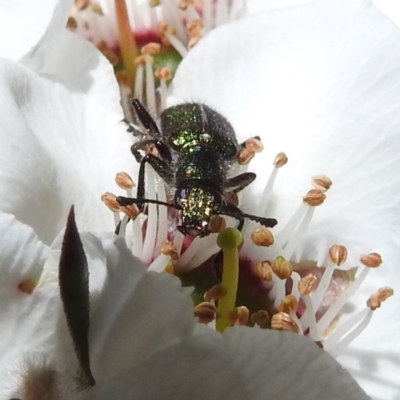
162,169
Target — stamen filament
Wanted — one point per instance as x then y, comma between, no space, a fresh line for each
129,50
122,227
334,338
334,309
207,15
152,219
204,255
287,231
235,11
150,86
160,263
162,229
228,240
163,94
176,44
139,79
319,294
267,191
344,343
314,334
187,256
294,241
221,12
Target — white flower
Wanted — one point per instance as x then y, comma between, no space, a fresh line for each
319,82
141,336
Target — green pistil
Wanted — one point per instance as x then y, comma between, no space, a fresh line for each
229,241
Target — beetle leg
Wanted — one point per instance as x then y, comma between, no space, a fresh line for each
146,120
162,169
162,149
238,183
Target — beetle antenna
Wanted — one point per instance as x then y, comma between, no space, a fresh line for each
128,201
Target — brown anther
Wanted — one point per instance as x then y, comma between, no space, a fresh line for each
71,23
321,182
288,304
245,156
283,322
154,3
372,260
205,312
194,27
194,40
124,79
280,160
151,48
282,268
124,181
338,254
264,271
112,57
81,4
260,318
169,249
27,286
110,201
381,295
140,60
239,315
164,73
262,237
101,45
319,344
217,292
131,211
307,284
217,224
184,4
96,8
170,268
254,145
314,198
163,26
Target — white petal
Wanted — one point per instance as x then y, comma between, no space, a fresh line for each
391,8
244,363
23,24
257,6
65,57
58,148
136,314
28,321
